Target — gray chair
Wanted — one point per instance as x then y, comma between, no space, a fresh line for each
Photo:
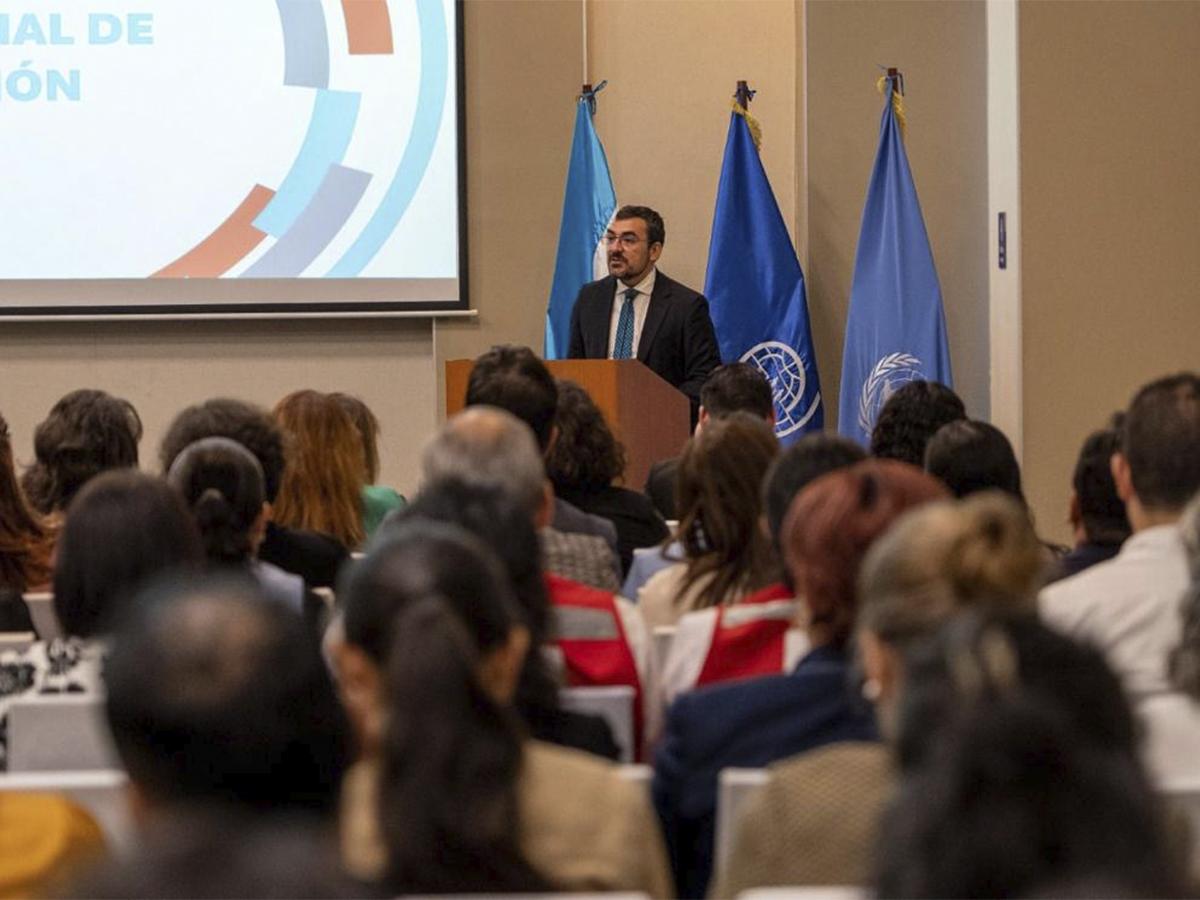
59,733
1184,798
45,619
102,793
613,704
16,640
734,788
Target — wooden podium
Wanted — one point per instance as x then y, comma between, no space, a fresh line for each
649,417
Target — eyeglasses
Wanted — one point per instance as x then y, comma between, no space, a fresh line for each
628,239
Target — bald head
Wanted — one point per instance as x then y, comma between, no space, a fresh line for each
483,445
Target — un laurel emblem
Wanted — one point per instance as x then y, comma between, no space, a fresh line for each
890,374
783,367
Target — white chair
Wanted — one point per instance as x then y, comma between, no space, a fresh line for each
16,640
58,733
327,597
637,773
45,619
102,793
1184,796
663,636
613,704
734,788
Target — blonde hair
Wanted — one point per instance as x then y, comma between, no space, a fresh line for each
948,556
321,488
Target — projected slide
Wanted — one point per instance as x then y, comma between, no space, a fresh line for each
230,139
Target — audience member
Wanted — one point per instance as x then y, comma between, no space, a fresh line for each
122,529
763,633
1020,774
1128,606
1097,514
727,555
828,528
512,378
489,446
584,463
935,561
321,488
910,417
377,500
219,702
508,531
448,795
971,456
222,484
87,432
26,543
314,557
733,387
601,637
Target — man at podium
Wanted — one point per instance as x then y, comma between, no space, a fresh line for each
639,313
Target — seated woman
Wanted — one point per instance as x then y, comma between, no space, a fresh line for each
122,529
720,498
26,543
935,561
377,500
86,432
222,484
321,488
449,796
585,460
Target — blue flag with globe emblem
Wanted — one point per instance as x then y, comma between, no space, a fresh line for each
755,287
896,328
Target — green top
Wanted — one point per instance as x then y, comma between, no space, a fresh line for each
378,501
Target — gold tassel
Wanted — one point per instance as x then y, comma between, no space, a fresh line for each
751,122
897,104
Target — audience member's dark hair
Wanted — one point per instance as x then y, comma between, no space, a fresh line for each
1100,508
806,460
222,484
586,456
87,432
123,529
428,602
970,456
1184,662
1161,441
25,540
910,417
1020,771
218,697
368,429
512,378
737,387
656,232
249,425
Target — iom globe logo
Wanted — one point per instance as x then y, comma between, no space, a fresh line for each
890,374
784,369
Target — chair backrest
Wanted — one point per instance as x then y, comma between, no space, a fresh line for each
613,704
59,732
735,787
102,793
45,619
16,640
806,892
327,597
1184,797
637,773
663,636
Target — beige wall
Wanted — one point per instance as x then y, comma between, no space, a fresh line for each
939,46
1110,194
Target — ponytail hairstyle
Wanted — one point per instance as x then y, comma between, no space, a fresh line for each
427,604
222,484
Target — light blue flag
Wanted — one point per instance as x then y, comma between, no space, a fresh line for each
588,205
755,287
896,329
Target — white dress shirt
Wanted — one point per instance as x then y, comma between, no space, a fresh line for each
1172,724
641,303
1128,606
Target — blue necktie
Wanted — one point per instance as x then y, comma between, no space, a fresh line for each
623,348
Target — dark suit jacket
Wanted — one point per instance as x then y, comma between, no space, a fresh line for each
660,486
637,522
314,557
677,341
746,724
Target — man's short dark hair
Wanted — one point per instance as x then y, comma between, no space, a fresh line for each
737,387
1161,441
911,417
656,232
1100,507
971,456
512,378
249,425
217,696
806,460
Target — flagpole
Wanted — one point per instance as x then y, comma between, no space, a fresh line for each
583,8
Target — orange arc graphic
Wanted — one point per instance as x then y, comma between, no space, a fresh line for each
368,26
229,242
